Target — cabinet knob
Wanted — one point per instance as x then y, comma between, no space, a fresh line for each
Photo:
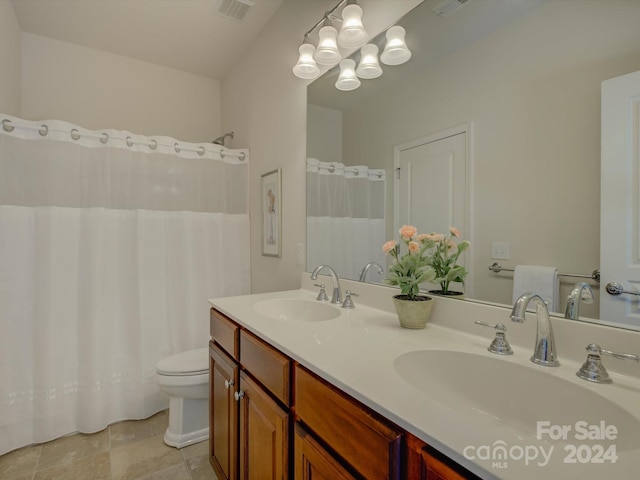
228,383
238,395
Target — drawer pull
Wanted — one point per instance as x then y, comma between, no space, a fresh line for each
228,383
238,395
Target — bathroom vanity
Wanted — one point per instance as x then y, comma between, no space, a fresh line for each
306,390
250,425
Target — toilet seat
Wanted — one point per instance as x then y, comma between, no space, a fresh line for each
189,363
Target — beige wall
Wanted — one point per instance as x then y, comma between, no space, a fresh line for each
265,104
10,60
95,89
532,91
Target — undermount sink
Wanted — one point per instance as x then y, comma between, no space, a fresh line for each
514,396
296,309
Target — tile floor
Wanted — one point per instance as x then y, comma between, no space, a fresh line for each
130,450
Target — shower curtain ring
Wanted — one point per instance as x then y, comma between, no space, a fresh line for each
6,125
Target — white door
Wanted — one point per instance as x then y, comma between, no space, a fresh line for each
431,191
620,197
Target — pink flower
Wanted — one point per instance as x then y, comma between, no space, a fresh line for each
436,237
408,231
455,232
451,246
414,247
390,245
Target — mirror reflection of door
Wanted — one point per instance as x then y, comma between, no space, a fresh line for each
620,198
431,187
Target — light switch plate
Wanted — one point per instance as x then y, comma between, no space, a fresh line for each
500,250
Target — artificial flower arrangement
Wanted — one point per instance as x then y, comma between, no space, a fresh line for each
430,257
411,269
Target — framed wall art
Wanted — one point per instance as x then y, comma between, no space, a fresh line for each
271,191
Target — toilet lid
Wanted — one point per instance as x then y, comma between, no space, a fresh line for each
191,362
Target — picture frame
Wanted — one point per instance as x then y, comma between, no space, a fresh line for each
271,210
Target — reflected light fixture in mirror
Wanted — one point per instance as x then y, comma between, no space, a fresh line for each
347,80
395,51
352,34
369,67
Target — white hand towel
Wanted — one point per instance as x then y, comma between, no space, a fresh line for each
537,279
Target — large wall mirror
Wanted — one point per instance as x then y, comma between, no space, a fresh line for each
523,78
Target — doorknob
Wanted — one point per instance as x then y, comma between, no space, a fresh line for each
615,288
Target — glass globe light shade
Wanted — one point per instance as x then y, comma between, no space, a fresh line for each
327,52
352,34
369,67
395,51
347,80
306,66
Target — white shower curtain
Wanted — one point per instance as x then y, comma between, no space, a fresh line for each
345,218
110,246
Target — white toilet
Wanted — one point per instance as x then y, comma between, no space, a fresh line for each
185,377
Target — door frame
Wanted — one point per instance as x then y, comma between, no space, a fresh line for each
467,228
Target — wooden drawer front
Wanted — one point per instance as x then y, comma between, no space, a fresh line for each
266,364
367,444
226,333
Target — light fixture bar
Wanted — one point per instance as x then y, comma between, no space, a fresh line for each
326,16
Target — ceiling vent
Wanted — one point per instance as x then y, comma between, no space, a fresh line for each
447,7
233,9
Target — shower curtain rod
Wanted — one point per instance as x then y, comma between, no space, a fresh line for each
8,125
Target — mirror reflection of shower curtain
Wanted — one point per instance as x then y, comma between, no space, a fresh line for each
345,218
108,254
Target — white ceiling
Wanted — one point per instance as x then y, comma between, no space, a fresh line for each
184,34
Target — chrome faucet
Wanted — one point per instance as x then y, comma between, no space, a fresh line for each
336,297
363,273
581,291
544,352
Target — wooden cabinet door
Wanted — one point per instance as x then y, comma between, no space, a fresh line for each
264,434
223,414
312,462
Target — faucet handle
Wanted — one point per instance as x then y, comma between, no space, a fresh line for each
593,370
348,303
322,295
500,345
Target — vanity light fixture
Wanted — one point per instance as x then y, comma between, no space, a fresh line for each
306,67
352,35
347,80
369,67
327,52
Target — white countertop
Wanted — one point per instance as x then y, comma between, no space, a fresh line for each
357,352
